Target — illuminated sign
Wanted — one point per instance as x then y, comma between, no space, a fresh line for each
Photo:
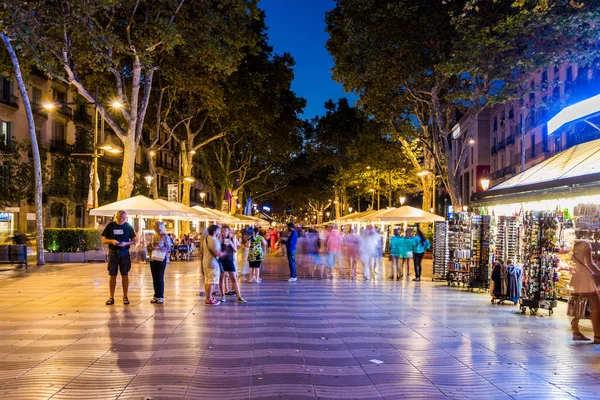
574,112
4,217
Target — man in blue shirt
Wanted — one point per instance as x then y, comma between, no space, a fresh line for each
290,246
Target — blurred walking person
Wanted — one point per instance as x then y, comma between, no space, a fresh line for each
290,245
395,253
333,242
351,243
421,244
407,245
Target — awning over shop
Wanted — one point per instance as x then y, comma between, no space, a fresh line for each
575,170
189,212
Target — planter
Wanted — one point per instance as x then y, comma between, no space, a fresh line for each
96,255
53,257
73,257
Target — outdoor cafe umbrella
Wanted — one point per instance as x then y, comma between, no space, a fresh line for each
406,214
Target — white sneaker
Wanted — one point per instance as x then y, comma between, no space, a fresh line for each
258,280
292,279
253,280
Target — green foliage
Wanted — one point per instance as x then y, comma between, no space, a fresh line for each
16,174
71,240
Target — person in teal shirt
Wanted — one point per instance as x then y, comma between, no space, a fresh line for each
395,251
420,245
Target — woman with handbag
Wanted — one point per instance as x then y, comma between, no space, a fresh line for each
584,302
158,248
229,246
407,246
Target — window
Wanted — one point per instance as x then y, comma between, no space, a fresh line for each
61,97
532,145
36,96
6,86
5,134
59,133
544,77
511,114
557,144
495,128
569,79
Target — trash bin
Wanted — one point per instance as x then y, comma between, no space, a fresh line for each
4,253
18,253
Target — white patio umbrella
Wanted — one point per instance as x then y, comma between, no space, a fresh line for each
406,214
137,206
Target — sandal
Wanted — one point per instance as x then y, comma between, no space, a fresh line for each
154,300
110,302
580,336
125,300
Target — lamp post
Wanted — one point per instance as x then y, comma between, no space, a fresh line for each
104,147
402,200
372,198
202,197
149,179
485,183
350,210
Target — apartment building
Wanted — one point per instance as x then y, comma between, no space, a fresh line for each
477,163
549,91
65,138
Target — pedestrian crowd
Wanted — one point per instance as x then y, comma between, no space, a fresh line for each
314,252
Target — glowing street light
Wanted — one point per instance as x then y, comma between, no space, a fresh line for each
350,210
189,179
116,104
202,197
402,200
423,173
149,179
485,183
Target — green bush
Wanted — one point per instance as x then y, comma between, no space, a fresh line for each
71,240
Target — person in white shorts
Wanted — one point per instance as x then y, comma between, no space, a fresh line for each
210,264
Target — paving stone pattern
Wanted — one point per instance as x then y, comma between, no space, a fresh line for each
338,339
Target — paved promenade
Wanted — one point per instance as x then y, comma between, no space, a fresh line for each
310,339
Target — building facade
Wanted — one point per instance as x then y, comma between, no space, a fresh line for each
65,137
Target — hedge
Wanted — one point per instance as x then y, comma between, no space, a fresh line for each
71,240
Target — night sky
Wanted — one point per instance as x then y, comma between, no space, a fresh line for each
298,27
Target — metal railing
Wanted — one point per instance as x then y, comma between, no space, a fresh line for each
9,99
60,146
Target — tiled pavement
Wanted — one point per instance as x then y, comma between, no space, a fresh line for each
305,340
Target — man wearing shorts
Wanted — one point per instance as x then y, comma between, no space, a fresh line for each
118,235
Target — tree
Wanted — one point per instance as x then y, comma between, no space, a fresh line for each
259,119
37,165
392,53
82,44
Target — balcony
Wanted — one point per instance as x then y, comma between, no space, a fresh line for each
494,149
9,100
501,145
510,140
504,173
82,118
65,111
59,146
39,110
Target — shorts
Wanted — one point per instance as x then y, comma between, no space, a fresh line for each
119,261
212,274
255,264
228,265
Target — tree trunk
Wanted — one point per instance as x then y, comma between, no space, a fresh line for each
454,190
152,173
128,172
37,166
427,183
186,168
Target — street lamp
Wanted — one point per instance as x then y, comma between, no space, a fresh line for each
402,200
202,197
372,198
350,210
328,214
149,179
485,183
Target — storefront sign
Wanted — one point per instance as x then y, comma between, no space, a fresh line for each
4,216
30,216
13,209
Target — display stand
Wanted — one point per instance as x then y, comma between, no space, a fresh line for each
479,273
460,245
508,240
440,250
540,262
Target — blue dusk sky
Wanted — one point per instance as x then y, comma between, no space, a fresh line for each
298,27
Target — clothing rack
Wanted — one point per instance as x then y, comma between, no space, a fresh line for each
479,272
508,240
460,249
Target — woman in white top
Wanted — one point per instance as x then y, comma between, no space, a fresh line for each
584,302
